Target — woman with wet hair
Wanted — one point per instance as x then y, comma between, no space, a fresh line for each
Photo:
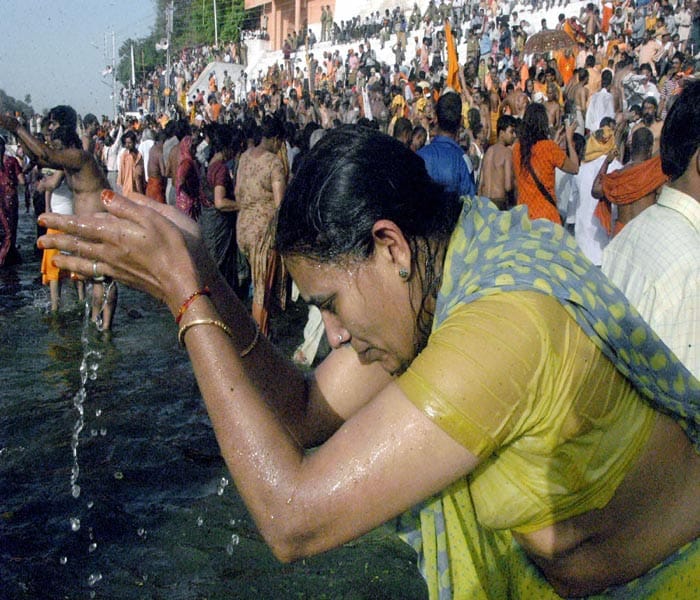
487,385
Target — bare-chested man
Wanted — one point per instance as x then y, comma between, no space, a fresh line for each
90,127
84,177
515,102
497,179
649,120
579,94
481,102
155,187
634,187
553,107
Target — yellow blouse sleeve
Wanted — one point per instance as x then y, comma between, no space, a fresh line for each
475,376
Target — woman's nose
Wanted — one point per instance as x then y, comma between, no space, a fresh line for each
335,332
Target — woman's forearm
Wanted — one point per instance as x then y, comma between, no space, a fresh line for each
283,386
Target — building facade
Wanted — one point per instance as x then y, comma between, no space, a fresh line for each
285,16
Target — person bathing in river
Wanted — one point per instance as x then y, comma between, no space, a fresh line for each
85,178
489,391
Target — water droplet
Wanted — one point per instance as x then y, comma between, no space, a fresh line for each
223,482
75,490
232,522
90,504
141,531
92,547
118,475
235,540
229,549
92,594
93,433
98,412
200,521
63,560
103,431
94,579
75,523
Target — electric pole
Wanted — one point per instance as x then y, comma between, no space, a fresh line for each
169,11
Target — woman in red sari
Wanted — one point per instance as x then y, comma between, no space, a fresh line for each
188,189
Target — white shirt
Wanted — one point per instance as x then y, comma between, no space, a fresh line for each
145,150
655,260
600,105
62,199
567,195
590,234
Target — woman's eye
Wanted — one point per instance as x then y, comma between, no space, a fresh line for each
328,306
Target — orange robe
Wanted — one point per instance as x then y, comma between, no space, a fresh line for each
566,66
545,157
625,186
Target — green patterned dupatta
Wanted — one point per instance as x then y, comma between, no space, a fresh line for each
493,252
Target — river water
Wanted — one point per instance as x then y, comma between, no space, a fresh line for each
111,482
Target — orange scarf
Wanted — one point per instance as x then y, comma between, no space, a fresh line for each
625,186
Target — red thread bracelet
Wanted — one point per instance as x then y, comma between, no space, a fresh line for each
188,302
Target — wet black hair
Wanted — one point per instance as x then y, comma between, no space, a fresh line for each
67,120
220,137
506,121
272,127
89,119
128,135
534,127
403,127
680,135
448,111
352,178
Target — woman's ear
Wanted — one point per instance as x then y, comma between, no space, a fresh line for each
391,244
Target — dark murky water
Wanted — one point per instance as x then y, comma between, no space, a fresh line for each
155,516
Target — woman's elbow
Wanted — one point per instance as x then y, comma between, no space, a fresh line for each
289,544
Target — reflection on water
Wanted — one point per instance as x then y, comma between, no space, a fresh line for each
112,484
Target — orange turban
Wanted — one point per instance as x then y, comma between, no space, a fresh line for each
628,185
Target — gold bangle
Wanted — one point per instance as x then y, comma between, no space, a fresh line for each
249,348
185,328
225,328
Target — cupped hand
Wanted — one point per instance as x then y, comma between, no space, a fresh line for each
143,244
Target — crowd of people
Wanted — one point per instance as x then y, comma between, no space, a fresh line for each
486,383
563,132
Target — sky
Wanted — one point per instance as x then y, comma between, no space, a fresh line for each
55,50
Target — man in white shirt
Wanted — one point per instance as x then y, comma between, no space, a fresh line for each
590,234
601,104
655,259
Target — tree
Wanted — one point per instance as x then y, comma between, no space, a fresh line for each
193,23
8,104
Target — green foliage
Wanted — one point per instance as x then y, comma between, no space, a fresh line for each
193,24
12,105
145,59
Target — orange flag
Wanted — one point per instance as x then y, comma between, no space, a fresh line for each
452,62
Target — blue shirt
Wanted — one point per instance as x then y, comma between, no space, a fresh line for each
446,164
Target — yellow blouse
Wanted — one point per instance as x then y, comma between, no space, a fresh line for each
517,382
